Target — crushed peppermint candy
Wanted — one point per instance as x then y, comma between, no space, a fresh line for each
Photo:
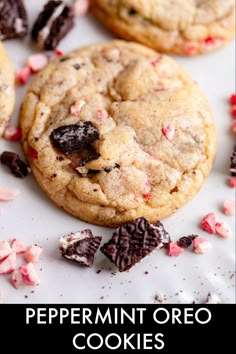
168,131
18,246
33,254
229,207
223,230
29,274
5,250
232,99
36,62
174,250
32,153
233,126
201,245
233,112
7,194
232,182
23,75
12,133
8,265
208,223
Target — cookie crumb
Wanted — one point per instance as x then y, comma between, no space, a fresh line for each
160,297
212,299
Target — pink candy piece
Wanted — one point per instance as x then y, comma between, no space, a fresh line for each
201,245
8,194
174,249
9,264
76,107
101,114
80,7
36,62
229,207
29,274
59,53
154,62
168,131
232,99
23,75
18,280
233,126
232,182
223,230
33,253
5,250
12,133
208,223
18,246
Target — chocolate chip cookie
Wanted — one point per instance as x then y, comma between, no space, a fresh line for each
186,27
7,93
116,131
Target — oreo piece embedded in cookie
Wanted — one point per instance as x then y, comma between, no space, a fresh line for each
74,137
52,24
131,242
13,161
13,19
80,247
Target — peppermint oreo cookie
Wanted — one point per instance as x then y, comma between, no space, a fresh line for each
13,19
116,131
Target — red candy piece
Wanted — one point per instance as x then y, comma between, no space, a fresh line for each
232,99
59,52
12,133
174,249
229,207
29,274
5,250
201,245
37,62
18,246
233,126
33,253
208,223
23,75
33,154
17,280
223,230
147,196
233,112
232,182
9,264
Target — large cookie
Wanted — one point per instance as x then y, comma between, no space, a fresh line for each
116,131
186,27
7,93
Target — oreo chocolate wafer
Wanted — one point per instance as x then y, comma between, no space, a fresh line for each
133,241
80,247
52,24
13,19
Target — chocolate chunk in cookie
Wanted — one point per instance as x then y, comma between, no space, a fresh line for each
134,241
74,137
186,241
13,19
13,161
80,247
52,24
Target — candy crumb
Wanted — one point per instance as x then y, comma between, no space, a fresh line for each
232,182
29,274
223,230
18,246
168,131
212,299
33,254
23,75
232,99
36,62
201,245
174,249
7,194
9,264
12,133
5,250
229,207
160,297
208,223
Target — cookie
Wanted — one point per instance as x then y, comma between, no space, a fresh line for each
180,27
52,24
116,131
7,93
13,19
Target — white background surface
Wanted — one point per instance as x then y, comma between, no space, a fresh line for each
34,219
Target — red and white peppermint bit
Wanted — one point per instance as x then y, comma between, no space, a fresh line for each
208,223
211,41
23,75
33,253
18,280
155,61
7,194
101,114
201,245
223,230
168,131
229,207
36,62
5,250
9,264
174,249
59,53
233,112
18,246
80,7
76,107
12,133
232,99
29,274
233,126
232,182
32,153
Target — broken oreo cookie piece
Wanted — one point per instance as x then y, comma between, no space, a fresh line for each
14,162
13,19
80,247
131,242
52,24
186,241
75,137
232,167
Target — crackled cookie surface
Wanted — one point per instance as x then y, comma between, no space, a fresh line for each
116,131
186,27
7,95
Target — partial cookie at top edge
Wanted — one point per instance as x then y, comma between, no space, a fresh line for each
144,132
7,94
182,27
